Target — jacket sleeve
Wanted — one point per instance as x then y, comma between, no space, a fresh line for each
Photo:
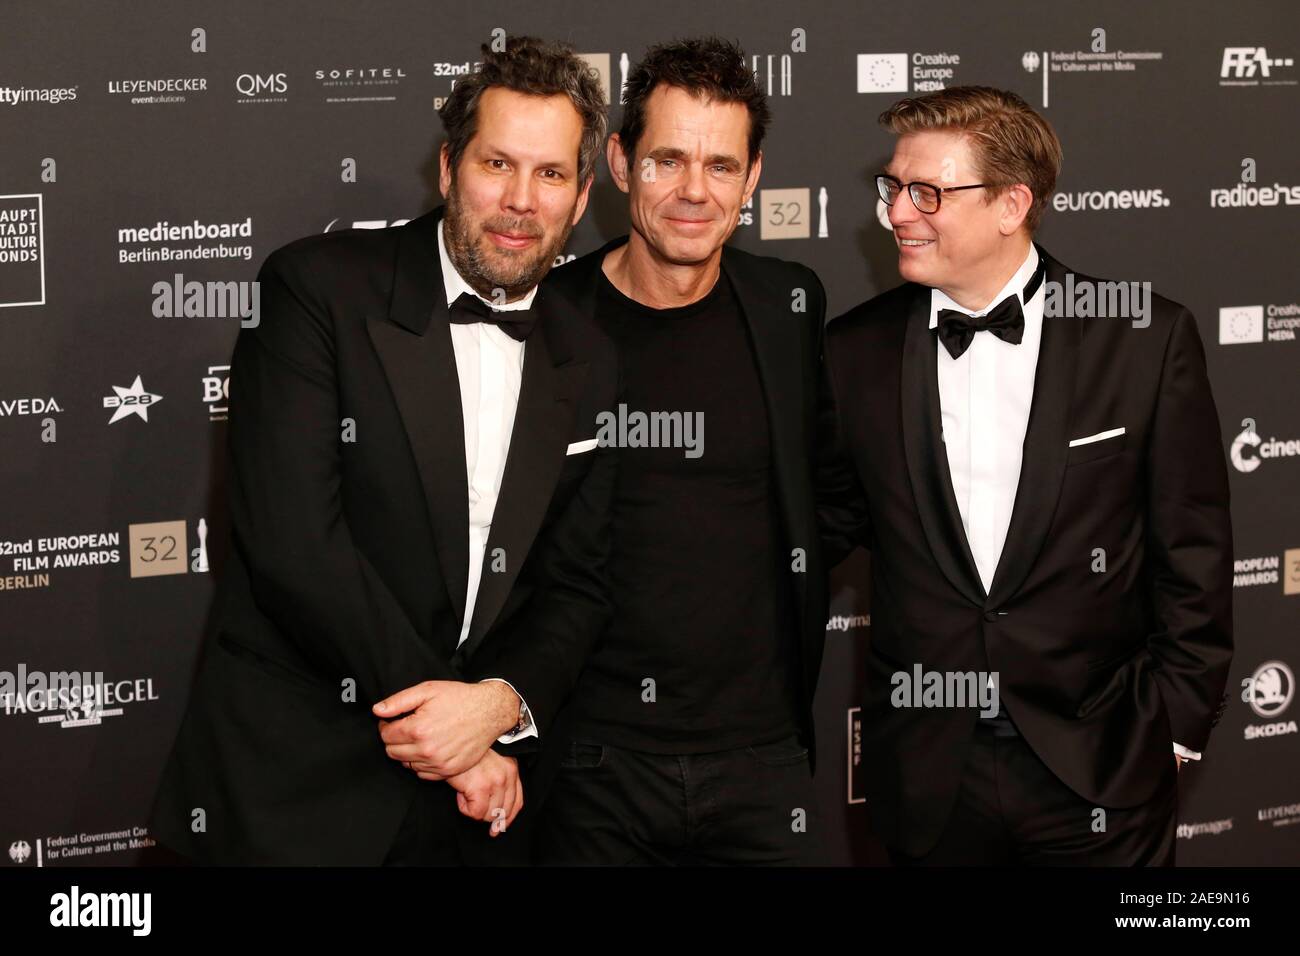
543,651
842,516
306,574
1189,541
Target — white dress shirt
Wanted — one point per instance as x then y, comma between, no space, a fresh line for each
489,365
985,396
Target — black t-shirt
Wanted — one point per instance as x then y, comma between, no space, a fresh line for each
702,600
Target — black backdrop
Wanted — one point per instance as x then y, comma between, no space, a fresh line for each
1182,169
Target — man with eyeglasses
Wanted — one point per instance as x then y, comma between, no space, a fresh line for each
1046,501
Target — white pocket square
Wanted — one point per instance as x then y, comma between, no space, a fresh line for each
578,447
1100,436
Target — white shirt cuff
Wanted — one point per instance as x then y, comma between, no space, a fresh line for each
528,731
1185,753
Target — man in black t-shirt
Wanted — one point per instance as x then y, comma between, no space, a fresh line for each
689,737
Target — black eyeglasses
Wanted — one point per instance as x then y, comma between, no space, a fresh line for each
925,197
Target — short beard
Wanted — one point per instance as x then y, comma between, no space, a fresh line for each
515,277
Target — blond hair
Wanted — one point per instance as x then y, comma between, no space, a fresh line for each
1011,143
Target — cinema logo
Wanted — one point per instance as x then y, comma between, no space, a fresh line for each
158,91
49,95
68,698
892,72
158,241
1248,450
1269,691
262,87
1249,323
216,392
788,213
1252,66
1097,60
945,690
636,429
22,250
1188,831
208,300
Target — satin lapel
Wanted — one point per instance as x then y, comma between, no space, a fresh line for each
774,335
927,459
1042,468
548,397
414,347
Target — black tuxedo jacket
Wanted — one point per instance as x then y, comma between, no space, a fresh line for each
350,527
1101,671
784,307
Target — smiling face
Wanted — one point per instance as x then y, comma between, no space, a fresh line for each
515,197
690,175
958,247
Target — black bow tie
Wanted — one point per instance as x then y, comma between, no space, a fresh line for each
468,309
1006,320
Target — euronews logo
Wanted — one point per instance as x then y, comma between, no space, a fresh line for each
1249,450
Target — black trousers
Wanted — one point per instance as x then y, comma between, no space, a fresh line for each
750,806
1013,811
